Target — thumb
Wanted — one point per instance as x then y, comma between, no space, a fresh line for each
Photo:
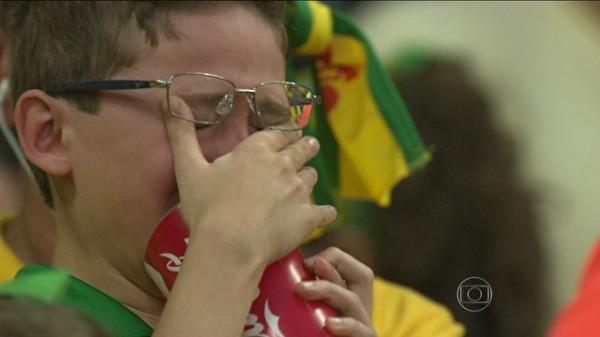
187,154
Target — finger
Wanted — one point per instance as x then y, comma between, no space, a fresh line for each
348,327
343,300
310,176
323,214
274,139
358,276
351,269
301,151
182,135
324,270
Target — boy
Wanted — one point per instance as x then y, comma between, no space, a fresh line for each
112,163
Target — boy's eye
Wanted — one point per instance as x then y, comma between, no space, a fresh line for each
209,108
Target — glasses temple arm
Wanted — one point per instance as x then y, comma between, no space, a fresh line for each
104,85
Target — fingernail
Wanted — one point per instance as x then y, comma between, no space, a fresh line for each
313,171
334,320
314,143
309,284
309,261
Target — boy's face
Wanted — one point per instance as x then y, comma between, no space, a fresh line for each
122,178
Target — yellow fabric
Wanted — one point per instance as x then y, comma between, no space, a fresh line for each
9,263
402,312
321,31
370,159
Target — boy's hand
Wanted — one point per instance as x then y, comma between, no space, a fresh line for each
253,201
347,285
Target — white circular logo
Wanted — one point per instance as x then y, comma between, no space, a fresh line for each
474,294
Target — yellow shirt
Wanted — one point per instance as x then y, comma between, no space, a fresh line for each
9,262
402,312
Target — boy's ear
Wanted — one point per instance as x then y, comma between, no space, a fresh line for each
39,123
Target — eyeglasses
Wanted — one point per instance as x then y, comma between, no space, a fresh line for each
278,105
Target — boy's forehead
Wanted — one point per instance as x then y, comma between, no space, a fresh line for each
208,42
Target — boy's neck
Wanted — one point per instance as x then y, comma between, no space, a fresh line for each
97,271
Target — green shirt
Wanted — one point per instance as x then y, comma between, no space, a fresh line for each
57,286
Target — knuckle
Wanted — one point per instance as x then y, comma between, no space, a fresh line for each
354,300
294,135
257,144
276,136
316,217
298,184
332,290
286,137
261,146
333,251
285,164
325,217
313,174
309,178
354,325
349,326
319,217
368,274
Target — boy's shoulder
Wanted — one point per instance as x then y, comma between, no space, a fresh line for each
401,311
58,286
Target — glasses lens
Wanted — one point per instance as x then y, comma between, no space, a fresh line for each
209,98
284,106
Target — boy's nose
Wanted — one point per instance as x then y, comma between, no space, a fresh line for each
235,128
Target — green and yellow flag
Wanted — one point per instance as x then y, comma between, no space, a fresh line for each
368,140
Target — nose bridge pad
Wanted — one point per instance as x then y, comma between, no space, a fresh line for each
225,104
239,121
250,102
254,119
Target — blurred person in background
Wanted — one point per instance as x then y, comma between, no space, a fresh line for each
27,227
468,213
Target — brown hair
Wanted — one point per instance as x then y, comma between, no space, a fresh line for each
23,317
67,41
7,15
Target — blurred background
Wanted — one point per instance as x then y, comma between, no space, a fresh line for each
506,95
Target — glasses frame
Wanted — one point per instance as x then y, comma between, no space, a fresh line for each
101,85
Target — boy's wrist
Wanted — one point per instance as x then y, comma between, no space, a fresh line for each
216,285
237,249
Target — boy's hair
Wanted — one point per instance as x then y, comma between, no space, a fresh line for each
68,41
7,14
23,317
